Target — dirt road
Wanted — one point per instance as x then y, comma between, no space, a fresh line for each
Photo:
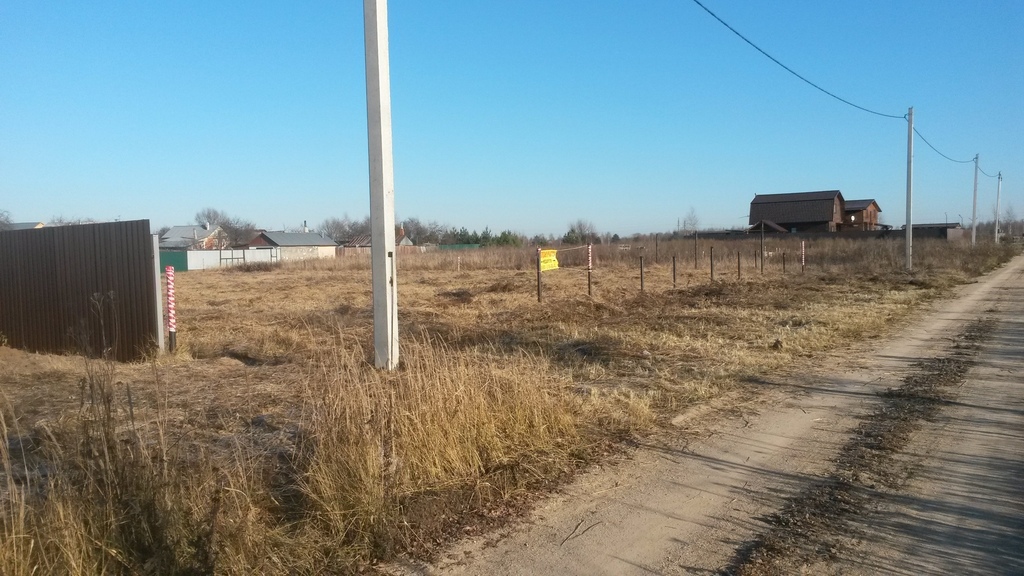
962,511
701,503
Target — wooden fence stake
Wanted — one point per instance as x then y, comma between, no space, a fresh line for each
538,274
695,264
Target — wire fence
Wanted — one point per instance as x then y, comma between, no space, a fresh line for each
668,264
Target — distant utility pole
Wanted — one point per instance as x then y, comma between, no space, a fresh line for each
974,211
382,185
999,190
910,190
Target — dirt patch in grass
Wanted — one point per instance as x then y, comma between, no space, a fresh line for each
810,525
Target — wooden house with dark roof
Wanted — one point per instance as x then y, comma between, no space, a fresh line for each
800,212
861,215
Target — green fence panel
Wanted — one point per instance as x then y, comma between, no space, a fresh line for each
176,258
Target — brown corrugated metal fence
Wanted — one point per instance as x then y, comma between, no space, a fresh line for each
81,289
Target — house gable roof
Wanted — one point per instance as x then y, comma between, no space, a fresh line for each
24,225
860,205
186,236
361,241
768,225
283,239
366,241
801,207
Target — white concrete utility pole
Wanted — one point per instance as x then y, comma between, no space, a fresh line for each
382,185
910,189
999,190
974,211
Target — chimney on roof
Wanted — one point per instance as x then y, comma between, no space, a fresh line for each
304,229
206,226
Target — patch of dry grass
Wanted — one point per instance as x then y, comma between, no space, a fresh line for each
269,444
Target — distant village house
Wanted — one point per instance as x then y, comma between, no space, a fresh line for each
361,244
296,245
24,225
198,237
823,211
861,215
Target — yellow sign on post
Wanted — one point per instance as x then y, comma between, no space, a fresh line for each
548,260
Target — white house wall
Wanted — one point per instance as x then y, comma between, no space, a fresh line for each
306,252
206,259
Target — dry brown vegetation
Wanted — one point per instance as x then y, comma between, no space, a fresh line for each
269,444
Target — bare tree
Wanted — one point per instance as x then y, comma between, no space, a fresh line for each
239,231
345,228
66,221
1010,222
691,222
211,216
337,228
236,230
424,232
5,220
581,232
361,227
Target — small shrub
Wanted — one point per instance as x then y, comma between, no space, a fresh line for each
256,267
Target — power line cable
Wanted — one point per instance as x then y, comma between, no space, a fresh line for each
790,70
985,173
923,139
843,100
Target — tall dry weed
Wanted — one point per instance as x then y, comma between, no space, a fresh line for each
379,442
17,546
104,493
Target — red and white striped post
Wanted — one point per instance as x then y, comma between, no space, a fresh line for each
590,267
172,320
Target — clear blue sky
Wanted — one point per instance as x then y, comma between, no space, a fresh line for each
521,115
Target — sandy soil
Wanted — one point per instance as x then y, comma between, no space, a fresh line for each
688,503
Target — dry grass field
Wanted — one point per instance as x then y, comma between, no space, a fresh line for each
269,443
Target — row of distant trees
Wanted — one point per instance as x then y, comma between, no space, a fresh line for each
420,232
240,231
